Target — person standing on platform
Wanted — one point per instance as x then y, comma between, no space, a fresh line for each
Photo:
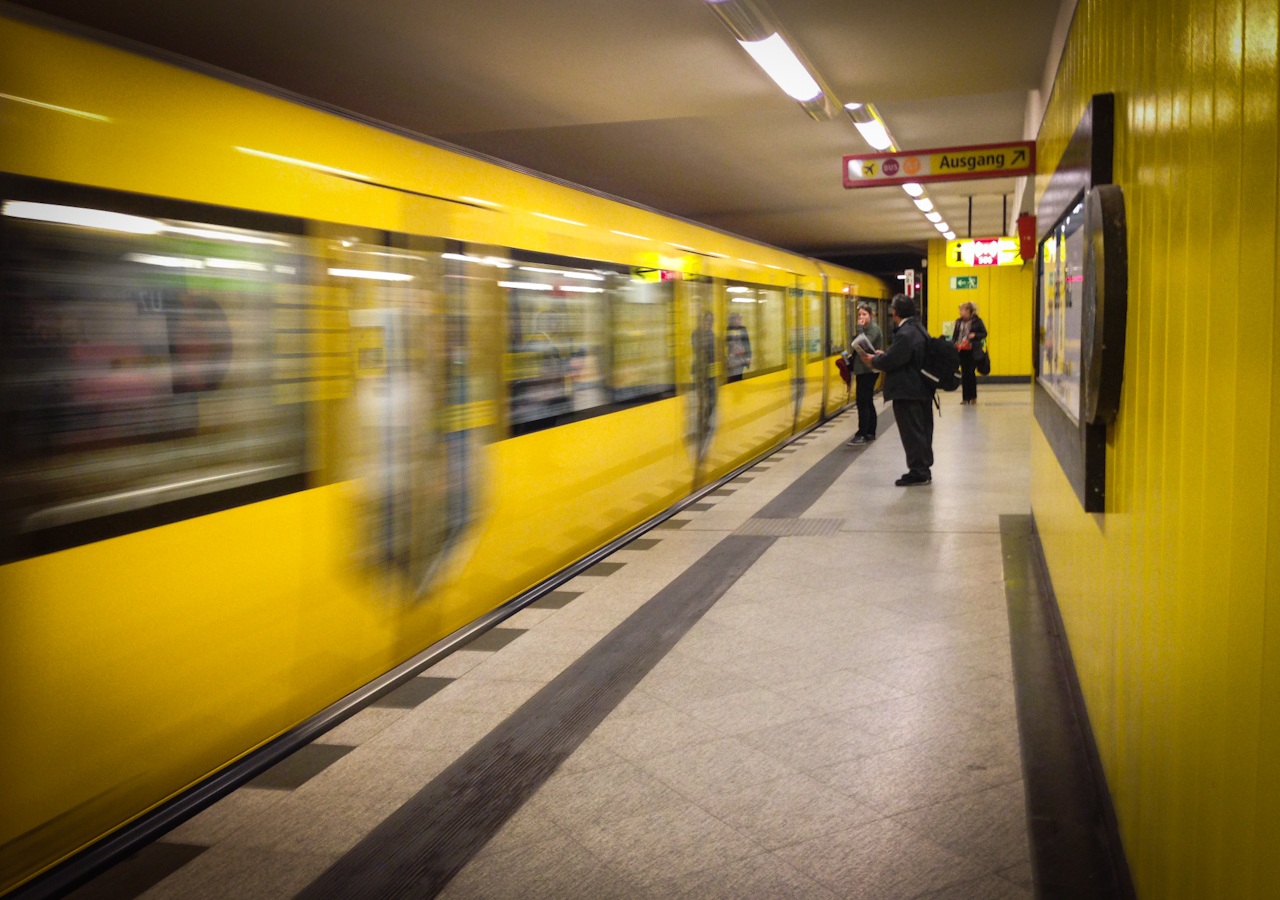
912,396
968,336
865,378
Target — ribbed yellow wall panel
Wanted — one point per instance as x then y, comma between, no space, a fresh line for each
1172,597
1004,297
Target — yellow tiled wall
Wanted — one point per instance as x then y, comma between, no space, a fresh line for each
1172,597
1004,298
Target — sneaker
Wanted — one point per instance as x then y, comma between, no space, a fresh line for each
911,479
858,439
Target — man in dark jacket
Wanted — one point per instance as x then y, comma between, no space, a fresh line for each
912,396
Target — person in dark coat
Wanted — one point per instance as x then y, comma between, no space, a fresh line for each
865,378
912,396
968,335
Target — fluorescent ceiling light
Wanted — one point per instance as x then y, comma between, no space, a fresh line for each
874,133
784,67
933,216
852,106
306,164
370,275
942,226
169,262
924,204
76,215
638,237
78,113
913,189
950,235
525,285
558,219
494,261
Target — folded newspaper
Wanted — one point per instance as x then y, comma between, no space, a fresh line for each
862,344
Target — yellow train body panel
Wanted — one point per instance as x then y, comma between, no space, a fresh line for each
136,666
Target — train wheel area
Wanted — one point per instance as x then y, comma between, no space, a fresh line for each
804,684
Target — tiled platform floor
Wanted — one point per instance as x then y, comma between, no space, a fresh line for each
840,723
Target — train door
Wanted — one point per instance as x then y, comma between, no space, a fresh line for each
391,437
700,404
795,317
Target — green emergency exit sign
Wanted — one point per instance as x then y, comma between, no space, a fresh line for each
964,282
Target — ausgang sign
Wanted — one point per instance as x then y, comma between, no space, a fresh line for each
942,164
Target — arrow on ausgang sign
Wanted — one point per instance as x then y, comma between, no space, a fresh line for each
941,164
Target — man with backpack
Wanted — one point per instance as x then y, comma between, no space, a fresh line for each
909,389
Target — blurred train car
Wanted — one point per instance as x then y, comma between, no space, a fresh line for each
285,397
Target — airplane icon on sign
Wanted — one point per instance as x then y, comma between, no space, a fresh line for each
868,169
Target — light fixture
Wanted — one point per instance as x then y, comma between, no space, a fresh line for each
942,226
764,38
924,204
933,216
950,235
870,125
913,189
78,215
782,65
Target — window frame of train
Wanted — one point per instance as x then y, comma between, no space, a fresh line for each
162,334
748,294
571,346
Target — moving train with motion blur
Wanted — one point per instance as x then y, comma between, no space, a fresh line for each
286,397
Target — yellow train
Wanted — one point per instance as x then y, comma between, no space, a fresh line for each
286,397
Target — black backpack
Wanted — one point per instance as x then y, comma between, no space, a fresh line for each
941,368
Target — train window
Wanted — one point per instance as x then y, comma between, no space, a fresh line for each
643,357
140,361
755,333
813,325
583,341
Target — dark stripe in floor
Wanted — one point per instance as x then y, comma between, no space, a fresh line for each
423,844
1075,842
301,766
806,489
135,874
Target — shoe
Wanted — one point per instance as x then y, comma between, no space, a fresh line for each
911,479
858,439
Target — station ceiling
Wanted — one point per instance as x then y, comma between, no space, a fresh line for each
650,100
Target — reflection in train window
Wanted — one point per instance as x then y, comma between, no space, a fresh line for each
583,342
139,363
755,333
